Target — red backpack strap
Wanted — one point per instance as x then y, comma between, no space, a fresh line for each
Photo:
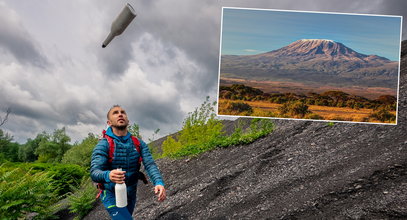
136,143
111,146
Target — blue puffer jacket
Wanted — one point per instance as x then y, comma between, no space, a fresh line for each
126,157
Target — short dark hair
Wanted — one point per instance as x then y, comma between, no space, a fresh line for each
114,106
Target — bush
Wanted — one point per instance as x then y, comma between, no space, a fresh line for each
237,108
82,199
80,154
383,115
171,146
202,132
199,127
295,109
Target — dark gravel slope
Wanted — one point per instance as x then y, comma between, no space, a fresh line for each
303,170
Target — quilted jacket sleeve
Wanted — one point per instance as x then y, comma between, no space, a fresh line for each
99,167
150,166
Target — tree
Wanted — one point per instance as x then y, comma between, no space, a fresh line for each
26,152
8,149
53,147
80,154
134,130
3,120
337,96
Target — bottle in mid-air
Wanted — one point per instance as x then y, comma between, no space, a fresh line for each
120,23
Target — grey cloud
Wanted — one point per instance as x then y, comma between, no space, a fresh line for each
114,59
397,7
382,7
154,114
17,41
193,27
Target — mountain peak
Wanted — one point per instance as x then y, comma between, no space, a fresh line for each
317,40
319,47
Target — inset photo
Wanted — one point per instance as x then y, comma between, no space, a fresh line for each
309,65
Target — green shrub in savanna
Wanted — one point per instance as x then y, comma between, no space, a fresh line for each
80,154
22,192
82,199
236,108
205,134
294,109
383,115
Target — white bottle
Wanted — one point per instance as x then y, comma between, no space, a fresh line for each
121,194
120,23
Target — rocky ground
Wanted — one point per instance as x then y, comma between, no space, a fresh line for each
303,170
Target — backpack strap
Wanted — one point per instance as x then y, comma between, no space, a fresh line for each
136,142
111,146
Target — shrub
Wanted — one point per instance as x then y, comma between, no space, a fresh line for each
383,115
238,108
80,154
202,132
170,147
199,127
296,108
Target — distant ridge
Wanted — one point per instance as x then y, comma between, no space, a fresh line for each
323,48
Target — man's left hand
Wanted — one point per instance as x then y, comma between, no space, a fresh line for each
159,190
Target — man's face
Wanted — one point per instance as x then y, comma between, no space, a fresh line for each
118,118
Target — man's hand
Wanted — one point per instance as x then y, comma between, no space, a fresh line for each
160,190
117,176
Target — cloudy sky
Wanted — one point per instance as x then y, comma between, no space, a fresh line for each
54,72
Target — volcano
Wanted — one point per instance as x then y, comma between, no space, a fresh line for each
316,61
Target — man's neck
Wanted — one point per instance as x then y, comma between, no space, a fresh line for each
118,132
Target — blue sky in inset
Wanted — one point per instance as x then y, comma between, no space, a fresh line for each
250,31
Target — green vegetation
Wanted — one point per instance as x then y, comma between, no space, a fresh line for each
383,115
80,154
293,109
238,108
32,177
329,98
83,198
23,192
53,147
201,132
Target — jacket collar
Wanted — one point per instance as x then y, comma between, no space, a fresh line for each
122,139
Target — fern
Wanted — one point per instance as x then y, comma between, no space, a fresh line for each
82,199
23,193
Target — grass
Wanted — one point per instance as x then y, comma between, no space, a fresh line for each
266,109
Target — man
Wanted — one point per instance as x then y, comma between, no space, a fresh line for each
125,157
